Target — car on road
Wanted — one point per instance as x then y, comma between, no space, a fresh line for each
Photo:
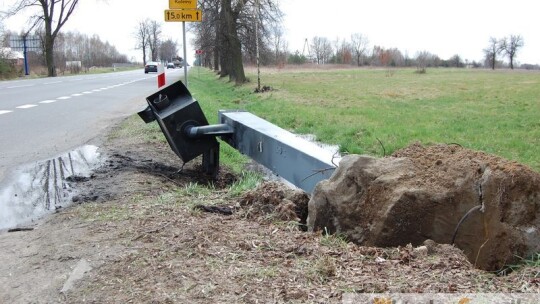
151,66
170,65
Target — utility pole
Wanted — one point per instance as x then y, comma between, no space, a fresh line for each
306,44
257,45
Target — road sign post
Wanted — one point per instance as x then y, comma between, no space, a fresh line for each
199,60
183,11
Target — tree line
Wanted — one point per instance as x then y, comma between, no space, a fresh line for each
357,51
231,31
72,51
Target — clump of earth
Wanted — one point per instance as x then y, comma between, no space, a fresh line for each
483,204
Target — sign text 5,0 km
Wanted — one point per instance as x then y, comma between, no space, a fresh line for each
183,4
183,15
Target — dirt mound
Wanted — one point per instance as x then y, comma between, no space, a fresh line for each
489,206
273,200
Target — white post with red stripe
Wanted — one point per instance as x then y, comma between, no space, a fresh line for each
161,76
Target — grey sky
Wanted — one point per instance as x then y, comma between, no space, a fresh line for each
444,28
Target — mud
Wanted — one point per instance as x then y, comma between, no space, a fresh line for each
166,168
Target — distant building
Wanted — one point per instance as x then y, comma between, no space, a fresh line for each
73,64
14,57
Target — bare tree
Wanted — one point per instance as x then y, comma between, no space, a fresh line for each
278,42
142,38
491,52
387,57
359,44
327,51
154,39
168,50
425,59
206,33
230,45
2,33
316,48
52,15
321,49
344,52
422,61
455,61
227,33
510,47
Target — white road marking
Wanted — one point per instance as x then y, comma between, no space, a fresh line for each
27,106
21,86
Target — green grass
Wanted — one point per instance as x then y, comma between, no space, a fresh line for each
133,128
248,180
493,111
532,261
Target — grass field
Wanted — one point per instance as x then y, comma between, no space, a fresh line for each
494,111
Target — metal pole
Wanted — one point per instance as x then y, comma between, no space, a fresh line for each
26,72
257,47
185,53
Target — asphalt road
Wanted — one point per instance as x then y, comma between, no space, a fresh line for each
42,118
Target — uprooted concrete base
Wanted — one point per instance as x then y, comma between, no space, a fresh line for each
423,192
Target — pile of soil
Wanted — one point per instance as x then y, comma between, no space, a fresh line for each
485,205
272,201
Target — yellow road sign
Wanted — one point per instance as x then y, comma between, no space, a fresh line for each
183,15
183,4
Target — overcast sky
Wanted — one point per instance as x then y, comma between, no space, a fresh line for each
442,27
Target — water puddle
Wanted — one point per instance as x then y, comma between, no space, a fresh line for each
39,189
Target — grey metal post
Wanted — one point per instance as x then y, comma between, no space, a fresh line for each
185,53
257,47
25,53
